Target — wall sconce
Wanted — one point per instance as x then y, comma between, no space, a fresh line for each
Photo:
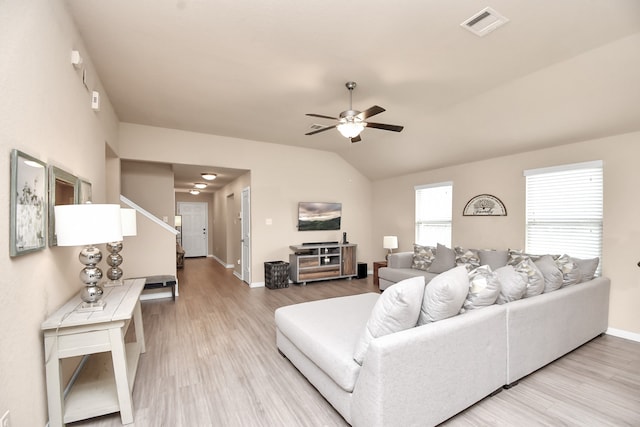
390,243
87,225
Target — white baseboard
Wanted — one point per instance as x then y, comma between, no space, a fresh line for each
623,334
256,285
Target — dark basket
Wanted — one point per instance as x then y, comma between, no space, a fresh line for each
276,274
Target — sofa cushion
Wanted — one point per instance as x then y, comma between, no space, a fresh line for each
422,257
587,267
397,309
513,284
494,259
484,288
535,279
467,257
326,339
551,273
444,295
396,275
571,274
445,259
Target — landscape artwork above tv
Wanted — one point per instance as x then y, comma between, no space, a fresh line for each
319,216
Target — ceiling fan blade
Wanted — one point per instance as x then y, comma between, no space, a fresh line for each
321,130
394,128
372,111
321,116
356,139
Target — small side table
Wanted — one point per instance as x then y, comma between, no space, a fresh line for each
376,266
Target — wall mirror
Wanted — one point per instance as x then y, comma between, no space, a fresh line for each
64,189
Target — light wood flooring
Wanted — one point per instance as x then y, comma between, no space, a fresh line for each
211,360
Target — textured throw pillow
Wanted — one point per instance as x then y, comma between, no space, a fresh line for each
513,284
445,260
494,259
516,256
397,309
535,279
571,274
467,257
444,295
587,267
551,273
422,257
484,288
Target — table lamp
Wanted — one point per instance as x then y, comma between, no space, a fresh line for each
88,225
390,243
114,259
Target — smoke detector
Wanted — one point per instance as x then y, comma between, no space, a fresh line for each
484,22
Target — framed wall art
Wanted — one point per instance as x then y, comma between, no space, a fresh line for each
28,204
484,205
64,189
84,195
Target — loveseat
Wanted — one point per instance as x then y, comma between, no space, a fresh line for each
406,375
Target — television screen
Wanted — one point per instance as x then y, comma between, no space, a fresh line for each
319,216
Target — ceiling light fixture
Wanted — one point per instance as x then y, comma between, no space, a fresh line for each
194,192
200,185
209,176
350,127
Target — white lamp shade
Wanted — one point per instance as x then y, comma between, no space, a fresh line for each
128,217
178,221
350,129
390,242
87,224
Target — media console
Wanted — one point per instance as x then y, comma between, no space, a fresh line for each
322,261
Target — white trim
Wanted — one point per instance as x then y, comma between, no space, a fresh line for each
623,334
256,285
149,215
562,168
437,184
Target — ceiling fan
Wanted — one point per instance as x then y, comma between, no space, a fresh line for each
352,122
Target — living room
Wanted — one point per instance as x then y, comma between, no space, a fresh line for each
46,113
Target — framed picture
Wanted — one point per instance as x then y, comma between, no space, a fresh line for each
484,205
28,210
84,195
64,189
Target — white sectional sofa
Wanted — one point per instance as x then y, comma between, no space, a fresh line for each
423,375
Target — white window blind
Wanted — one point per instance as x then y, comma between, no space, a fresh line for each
433,214
564,210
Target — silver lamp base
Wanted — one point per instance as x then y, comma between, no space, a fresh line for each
114,259
90,275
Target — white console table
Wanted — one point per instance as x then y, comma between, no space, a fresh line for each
101,387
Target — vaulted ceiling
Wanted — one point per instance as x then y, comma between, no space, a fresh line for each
559,71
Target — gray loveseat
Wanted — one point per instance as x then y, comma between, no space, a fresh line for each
424,375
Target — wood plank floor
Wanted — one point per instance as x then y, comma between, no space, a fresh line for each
211,360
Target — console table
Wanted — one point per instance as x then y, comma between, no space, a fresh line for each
322,261
104,383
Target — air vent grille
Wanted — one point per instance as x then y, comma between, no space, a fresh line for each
316,126
484,22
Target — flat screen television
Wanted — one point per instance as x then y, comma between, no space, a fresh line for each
319,216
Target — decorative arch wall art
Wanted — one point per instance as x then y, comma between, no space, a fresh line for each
484,205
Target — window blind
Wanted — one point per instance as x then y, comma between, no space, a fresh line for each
433,214
564,207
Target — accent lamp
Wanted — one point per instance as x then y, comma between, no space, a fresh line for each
88,225
390,243
114,259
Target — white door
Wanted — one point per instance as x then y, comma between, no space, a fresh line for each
194,228
246,235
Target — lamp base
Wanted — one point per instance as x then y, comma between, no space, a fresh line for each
113,283
91,306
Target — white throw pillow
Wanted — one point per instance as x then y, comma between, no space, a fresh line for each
551,272
397,309
513,284
587,267
535,279
444,295
484,288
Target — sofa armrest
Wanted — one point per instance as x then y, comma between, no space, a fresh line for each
400,260
427,374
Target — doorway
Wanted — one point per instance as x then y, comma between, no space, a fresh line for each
195,233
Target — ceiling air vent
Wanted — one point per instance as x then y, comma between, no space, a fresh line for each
485,21
316,126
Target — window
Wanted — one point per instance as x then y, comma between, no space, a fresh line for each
564,210
433,214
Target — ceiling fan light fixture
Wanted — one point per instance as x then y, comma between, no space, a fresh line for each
350,129
208,176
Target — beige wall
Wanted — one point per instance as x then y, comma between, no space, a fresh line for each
281,176
45,112
503,177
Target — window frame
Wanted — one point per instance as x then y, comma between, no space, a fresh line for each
440,222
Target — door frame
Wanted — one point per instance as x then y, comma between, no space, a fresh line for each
245,238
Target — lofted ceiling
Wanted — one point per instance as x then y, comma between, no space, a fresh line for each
559,71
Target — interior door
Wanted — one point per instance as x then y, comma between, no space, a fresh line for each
195,233
246,235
